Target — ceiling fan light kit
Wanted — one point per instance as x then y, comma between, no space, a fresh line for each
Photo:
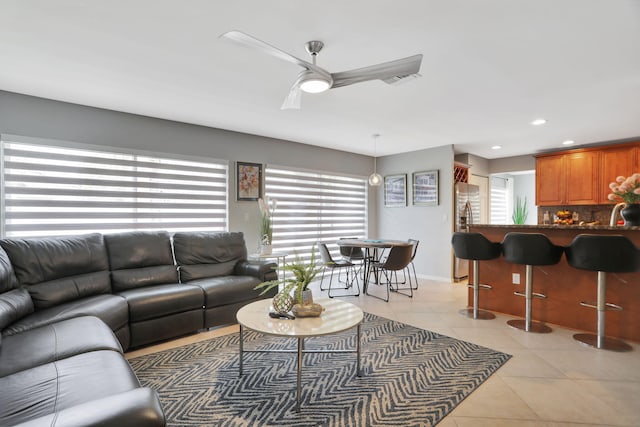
314,79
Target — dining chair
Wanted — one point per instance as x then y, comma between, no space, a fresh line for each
398,259
353,254
331,264
407,271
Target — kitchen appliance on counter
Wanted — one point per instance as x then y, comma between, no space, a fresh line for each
467,212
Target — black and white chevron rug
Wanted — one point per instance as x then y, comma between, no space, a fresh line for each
410,377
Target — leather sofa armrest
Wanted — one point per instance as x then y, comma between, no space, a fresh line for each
263,270
136,408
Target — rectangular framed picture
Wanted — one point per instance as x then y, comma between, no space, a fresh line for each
425,188
395,190
248,181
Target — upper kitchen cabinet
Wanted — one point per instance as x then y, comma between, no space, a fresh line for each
613,163
550,181
582,176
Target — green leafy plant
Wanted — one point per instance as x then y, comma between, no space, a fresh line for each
302,274
520,212
267,208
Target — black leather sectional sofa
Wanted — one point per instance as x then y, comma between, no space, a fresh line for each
70,306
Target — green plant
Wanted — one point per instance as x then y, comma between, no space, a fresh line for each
303,274
267,209
520,213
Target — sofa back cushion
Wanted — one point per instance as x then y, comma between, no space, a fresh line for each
8,279
201,254
14,305
140,258
59,269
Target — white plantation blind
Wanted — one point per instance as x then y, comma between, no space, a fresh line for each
499,190
315,206
56,190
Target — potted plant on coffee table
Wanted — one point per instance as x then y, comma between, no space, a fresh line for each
302,274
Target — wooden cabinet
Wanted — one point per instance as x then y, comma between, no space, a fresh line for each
582,176
550,181
613,163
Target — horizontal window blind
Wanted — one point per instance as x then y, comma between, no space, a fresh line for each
315,206
499,202
53,190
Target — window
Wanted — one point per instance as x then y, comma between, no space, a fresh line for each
62,188
315,206
500,199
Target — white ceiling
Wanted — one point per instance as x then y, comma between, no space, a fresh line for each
490,67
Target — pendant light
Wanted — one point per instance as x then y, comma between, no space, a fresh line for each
375,179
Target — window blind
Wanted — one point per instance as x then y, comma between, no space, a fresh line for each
315,206
57,190
499,202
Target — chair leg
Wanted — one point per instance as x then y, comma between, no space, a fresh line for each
527,324
322,279
349,283
398,288
415,276
475,312
388,285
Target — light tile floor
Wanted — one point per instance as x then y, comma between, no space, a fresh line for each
550,381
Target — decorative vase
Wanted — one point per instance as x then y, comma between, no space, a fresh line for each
306,297
631,215
265,249
282,302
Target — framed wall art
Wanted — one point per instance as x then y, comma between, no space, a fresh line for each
425,188
395,190
248,181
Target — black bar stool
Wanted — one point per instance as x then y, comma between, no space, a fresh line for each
604,254
530,249
475,247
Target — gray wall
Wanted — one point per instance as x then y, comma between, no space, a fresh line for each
431,225
42,118
38,117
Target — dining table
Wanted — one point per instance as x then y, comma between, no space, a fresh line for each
373,252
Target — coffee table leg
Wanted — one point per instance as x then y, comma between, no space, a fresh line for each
240,352
299,380
358,374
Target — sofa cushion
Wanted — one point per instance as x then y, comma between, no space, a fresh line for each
111,309
201,254
8,279
227,290
63,384
53,342
60,269
152,302
140,258
14,305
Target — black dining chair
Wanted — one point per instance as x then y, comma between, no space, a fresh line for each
398,259
341,264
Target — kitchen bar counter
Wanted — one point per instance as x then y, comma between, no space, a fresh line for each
564,285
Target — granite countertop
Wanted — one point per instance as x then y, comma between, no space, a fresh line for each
560,227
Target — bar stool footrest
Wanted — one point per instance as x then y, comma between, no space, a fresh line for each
480,286
608,306
612,344
537,295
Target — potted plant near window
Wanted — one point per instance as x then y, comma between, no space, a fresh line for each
302,274
267,209
520,211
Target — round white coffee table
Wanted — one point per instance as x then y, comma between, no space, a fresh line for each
337,317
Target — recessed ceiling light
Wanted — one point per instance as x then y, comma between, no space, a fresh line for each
538,122
568,142
496,147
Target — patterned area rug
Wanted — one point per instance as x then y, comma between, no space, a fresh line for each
410,377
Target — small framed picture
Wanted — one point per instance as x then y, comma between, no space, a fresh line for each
425,188
395,190
248,181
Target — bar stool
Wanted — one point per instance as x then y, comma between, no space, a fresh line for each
604,254
475,247
530,249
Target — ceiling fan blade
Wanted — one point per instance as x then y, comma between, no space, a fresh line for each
252,42
389,72
294,98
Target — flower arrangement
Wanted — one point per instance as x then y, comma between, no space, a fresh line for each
627,189
267,209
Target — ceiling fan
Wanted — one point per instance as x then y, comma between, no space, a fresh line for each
313,79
